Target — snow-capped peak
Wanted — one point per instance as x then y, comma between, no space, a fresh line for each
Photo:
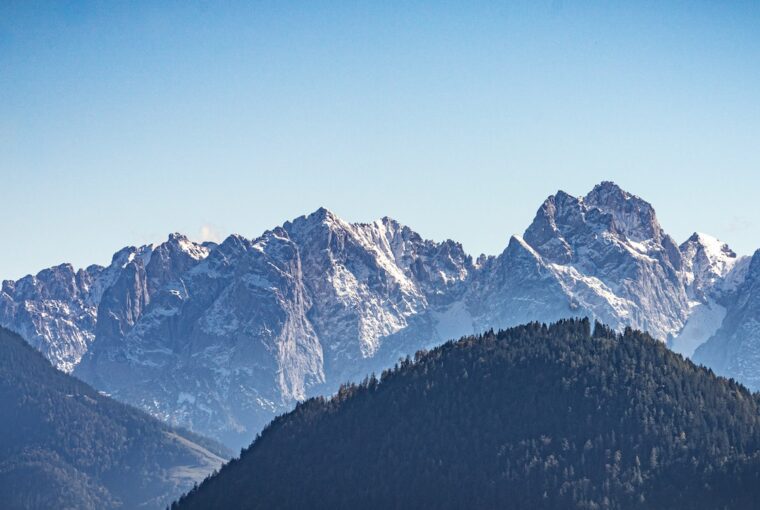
319,219
128,254
565,223
715,249
706,260
322,215
196,251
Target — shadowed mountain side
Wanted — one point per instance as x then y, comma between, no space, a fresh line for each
64,445
532,417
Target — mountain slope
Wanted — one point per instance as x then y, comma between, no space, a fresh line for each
531,417
712,274
64,445
734,349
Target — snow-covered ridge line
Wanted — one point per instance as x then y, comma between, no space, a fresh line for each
248,326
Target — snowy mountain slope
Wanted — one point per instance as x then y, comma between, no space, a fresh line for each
219,338
712,273
734,348
707,262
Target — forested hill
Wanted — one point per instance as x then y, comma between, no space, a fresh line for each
64,445
532,417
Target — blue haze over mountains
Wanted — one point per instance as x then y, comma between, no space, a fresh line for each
65,445
219,338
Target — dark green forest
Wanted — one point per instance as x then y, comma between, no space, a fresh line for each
64,445
535,417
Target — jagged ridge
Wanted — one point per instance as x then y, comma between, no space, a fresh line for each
220,338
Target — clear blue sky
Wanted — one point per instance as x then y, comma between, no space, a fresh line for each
123,121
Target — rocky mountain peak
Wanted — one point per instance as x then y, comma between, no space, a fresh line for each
711,247
321,216
57,282
632,216
179,245
556,219
608,254
565,223
707,261
234,242
121,257
609,190
129,254
53,311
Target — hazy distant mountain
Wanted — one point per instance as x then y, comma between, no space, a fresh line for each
534,417
64,445
220,338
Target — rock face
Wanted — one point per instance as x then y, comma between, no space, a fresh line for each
55,311
219,338
602,255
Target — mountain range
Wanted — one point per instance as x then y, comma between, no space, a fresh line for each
219,338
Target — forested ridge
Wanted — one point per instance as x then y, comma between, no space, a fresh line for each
537,416
64,445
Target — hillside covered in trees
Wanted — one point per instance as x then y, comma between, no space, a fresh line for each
537,416
64,445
